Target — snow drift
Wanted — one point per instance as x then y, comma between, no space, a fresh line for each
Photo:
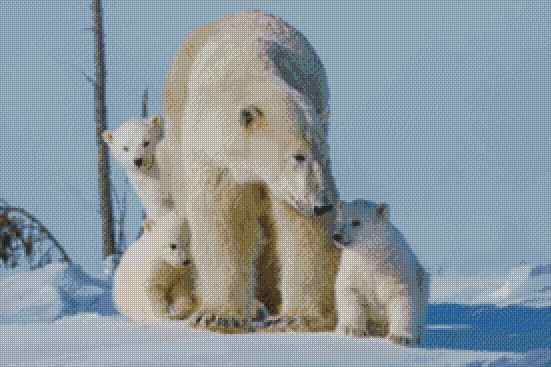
88,340
54,291
66,318
524,285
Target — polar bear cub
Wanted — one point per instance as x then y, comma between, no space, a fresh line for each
381,288
155,274
133,145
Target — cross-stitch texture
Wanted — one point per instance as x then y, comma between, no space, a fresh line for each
275,114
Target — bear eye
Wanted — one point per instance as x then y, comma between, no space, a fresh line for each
145,144
125,149
248,115
355,223
173,246
299,157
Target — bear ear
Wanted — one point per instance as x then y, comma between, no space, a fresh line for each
156,121
249,116
107,136
382,212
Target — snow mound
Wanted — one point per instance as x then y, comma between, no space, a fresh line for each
523,285
54,291
92,340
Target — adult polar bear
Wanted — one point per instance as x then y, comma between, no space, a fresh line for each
246,102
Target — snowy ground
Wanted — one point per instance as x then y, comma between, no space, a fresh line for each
59,316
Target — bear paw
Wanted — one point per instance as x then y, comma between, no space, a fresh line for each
407,341
291,323
220,323
261,312
352,331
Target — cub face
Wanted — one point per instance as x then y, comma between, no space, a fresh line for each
170,238
176,253
360,222
133,143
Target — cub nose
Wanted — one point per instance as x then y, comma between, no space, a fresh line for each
138,162
337,237
186,262
320,210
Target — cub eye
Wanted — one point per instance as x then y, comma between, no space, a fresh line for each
145,144
355,223
125,149
173,246
299,157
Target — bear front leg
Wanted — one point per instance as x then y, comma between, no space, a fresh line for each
403,318
308,262
352,316
223,250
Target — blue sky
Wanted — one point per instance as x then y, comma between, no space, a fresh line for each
441,109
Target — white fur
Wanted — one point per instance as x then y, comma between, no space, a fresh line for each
126,144
152,276
380,280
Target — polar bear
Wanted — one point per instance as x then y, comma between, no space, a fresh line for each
133,145
156,273
246,103
381,288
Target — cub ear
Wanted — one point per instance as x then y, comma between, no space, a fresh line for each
107,136
157,121
382,211
249,116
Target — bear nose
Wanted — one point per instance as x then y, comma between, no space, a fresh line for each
186,262
320,210
138,162
337,237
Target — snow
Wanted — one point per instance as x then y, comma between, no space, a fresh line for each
90,340
448,327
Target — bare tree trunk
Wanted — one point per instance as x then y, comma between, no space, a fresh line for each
145,100
106,208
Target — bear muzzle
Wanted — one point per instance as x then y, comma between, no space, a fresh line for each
339,240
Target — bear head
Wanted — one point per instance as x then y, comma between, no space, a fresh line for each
170,238
361,222
133,143
269,133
